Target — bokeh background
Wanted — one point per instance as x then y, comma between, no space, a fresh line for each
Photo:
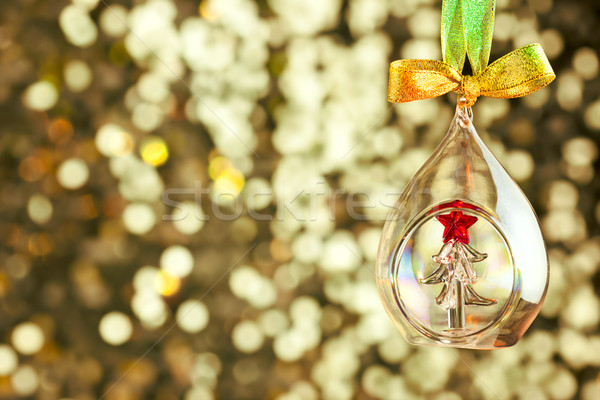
174,175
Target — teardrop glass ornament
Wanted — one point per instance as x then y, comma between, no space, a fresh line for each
462,261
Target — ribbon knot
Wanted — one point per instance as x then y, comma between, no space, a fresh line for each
469,88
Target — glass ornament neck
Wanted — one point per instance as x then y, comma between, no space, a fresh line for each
464,112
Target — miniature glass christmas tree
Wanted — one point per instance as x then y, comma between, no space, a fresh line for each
455,269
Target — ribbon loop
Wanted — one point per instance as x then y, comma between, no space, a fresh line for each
519,73
420,79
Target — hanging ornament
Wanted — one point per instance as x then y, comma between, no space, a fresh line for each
462,261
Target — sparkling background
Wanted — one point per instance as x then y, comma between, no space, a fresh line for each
173,188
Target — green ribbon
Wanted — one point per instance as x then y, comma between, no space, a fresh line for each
467,27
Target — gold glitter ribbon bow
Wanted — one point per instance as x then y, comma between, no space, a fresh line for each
517,74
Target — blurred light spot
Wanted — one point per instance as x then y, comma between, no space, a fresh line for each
144,278
286,278
421,49
585,62
113,141
262,294
581,174
60,131
85,207
192,316
87,4
570,91
240,278
208,10
571,223
580,151
40,96
147,117
17,265
188,217
520,165
424,23
289,346
211,361
40,244
332,319
154,151
25,380
387,142
273,322
78,27
592,115
166,284
591,389
562,384
31,169
258,194
583,309
112,21
217,166
153,88
8,360
150,309
562,195
305,308
369,242
246,283
365,16
199,393
39,209
139,218
177,261
305,390
306,18
373,328
394,349
138,180
537,99
541,6
307,247
280,251
247,337
375,380
504,25
230,182
552,42
243,230
73,173
27,338
341,253
521,131
573,348
78,75
246,371
115,328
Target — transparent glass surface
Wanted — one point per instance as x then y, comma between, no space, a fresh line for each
462,261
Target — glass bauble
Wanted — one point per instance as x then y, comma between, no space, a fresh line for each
462,261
